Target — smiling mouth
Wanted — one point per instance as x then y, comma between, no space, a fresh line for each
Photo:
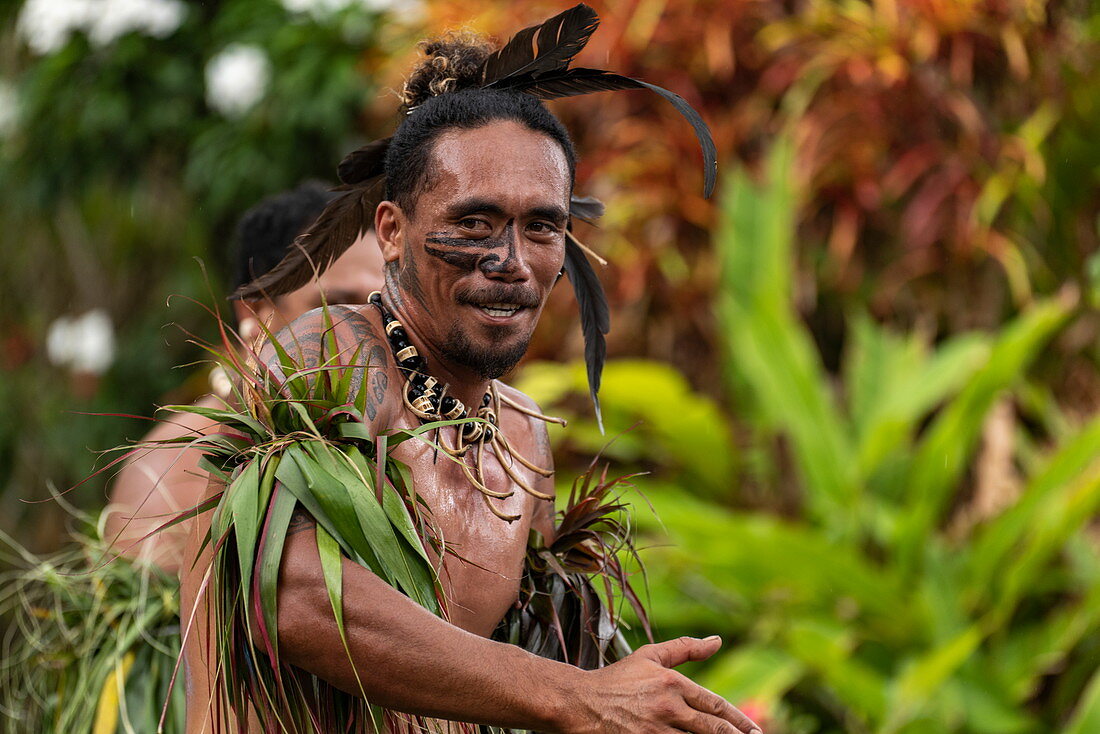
500,310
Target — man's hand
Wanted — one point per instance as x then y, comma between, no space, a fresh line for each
641,694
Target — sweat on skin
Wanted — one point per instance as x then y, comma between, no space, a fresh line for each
496,206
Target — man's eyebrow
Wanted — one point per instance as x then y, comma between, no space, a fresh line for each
555,214
466,207
474,206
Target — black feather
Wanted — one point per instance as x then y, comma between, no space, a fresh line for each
586,208
595,317
543,48
573,82
333,232
366,162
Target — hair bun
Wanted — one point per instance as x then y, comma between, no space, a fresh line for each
452,62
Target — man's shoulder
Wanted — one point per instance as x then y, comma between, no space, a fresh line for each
349,323
349,327
510,394
356,333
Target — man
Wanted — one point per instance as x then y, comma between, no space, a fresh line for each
158,483
473,232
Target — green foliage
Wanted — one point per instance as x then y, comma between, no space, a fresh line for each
884,604
653,415
151,117
904,430
119,172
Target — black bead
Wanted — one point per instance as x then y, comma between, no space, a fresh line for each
411,363
419,379
399,333
448,403
485,400
415,391
398,344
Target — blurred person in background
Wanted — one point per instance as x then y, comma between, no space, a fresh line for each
158,483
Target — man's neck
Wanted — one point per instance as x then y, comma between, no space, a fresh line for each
462,383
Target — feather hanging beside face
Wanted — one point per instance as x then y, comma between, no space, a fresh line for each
595,317
364,163
337,228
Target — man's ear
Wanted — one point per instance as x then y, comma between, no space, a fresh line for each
250,314
390,226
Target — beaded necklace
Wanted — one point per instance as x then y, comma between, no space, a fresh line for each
428,400
424,395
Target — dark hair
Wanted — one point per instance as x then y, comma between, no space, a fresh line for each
408,161
266,231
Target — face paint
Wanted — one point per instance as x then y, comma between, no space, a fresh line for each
468,254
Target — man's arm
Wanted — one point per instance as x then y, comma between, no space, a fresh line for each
155,484
407,659
410,660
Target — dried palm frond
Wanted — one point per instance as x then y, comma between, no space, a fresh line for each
560,615
90,646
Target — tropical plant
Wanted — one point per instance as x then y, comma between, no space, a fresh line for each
888,595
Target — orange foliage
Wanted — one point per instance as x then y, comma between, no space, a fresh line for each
914,121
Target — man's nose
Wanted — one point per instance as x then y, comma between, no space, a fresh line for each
509,262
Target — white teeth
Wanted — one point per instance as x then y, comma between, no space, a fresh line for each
499,309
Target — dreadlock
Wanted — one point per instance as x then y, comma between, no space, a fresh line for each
451,62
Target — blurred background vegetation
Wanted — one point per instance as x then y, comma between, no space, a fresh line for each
864,379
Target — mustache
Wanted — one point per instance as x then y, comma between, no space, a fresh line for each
517,294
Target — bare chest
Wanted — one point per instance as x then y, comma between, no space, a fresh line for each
482,564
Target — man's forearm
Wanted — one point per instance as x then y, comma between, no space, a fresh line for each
408,659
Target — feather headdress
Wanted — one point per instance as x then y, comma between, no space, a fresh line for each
535,61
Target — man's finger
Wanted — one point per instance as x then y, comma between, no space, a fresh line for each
705,701
697,722
682,649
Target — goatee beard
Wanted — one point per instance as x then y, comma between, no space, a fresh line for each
488,362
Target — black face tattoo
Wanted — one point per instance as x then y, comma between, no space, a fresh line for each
409,277
393,279
468,254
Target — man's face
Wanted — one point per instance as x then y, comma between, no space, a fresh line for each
476,260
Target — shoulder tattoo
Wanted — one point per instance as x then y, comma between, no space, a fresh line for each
299,521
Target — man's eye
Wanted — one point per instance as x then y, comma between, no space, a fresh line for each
542,227
472,223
